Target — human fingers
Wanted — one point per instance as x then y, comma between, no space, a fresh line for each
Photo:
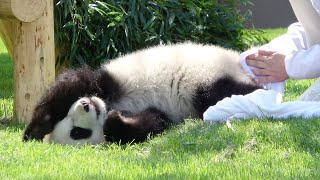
265,52
257,57
262,72
269,76
256,63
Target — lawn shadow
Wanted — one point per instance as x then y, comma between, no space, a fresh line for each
9,123
6,76
5,59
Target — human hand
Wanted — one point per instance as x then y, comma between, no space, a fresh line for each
270,66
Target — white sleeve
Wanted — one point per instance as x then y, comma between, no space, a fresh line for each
316,5
293,40
306,12
304,64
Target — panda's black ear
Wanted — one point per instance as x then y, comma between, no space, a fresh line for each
36,130
80,133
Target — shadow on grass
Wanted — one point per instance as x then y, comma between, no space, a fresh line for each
6,76
8,124
5,59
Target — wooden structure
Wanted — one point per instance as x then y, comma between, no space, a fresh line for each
26,27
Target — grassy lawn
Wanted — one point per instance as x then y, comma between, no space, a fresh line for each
273,33
258,149
6,83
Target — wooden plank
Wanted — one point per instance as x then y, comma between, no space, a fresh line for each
23,10
34,62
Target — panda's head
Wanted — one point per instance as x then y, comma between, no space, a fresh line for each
82,125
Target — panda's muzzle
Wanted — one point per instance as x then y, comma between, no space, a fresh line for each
86,106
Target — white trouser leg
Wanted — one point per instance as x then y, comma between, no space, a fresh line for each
312,93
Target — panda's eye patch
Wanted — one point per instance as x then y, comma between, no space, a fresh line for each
85,106
80,133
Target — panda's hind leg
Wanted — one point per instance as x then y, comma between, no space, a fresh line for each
124,127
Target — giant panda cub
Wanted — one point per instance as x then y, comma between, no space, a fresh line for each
146,91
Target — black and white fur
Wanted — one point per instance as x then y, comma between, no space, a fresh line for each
148,90
82,125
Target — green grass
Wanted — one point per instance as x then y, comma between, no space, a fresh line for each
257,149
270,34
6,83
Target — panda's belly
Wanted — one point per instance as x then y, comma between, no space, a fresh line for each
176,102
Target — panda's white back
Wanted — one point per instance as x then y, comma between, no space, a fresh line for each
166,77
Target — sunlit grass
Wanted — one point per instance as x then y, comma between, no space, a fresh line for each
294,88
258,149
270,34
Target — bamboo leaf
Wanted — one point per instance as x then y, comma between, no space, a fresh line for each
149,23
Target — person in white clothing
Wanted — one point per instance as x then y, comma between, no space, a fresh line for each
295,54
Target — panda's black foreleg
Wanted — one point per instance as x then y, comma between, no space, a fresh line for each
54,105
123,127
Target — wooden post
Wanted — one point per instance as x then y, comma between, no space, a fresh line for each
30,41
23,10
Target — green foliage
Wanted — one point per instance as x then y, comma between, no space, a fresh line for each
92,31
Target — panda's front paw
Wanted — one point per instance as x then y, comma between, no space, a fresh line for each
112,113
